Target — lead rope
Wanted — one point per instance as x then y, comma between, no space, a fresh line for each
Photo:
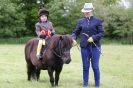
93,43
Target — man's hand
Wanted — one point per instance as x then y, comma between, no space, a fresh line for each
90,39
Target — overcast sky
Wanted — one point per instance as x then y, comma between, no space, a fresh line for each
125,3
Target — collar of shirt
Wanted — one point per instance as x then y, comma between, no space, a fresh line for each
89,18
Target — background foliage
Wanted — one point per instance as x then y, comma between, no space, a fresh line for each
18,17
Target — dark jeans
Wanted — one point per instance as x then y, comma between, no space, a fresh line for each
90,54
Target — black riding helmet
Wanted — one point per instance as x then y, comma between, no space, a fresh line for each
43,11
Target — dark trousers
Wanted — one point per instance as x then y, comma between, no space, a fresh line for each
90,54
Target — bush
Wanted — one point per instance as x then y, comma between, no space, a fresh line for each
12,22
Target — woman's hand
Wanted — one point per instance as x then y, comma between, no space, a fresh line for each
90,39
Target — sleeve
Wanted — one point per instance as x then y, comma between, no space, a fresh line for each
100,31
52,28
77,30
37,27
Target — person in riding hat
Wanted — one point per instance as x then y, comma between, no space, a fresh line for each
44,29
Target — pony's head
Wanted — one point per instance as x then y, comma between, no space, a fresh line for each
62,46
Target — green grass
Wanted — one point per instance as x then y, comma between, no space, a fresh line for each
116,69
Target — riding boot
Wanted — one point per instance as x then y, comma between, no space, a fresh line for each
39,47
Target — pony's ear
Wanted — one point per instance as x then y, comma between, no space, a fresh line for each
61,37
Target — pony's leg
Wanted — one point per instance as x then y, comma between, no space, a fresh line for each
29,71
57,74
38,73
34,76
50,72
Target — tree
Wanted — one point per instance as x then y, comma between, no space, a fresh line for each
18,17
12,22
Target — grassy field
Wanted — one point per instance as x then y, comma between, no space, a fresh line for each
116,69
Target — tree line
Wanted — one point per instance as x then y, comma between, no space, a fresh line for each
18,17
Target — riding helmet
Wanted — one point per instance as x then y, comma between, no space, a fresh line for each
43,11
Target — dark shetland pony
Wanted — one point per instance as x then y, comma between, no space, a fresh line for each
57,53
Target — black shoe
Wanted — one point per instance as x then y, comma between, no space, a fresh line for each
39,57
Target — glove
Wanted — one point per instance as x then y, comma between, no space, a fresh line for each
48,33
74,42
90,39
43,32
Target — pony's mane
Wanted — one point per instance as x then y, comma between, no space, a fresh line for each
66,39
